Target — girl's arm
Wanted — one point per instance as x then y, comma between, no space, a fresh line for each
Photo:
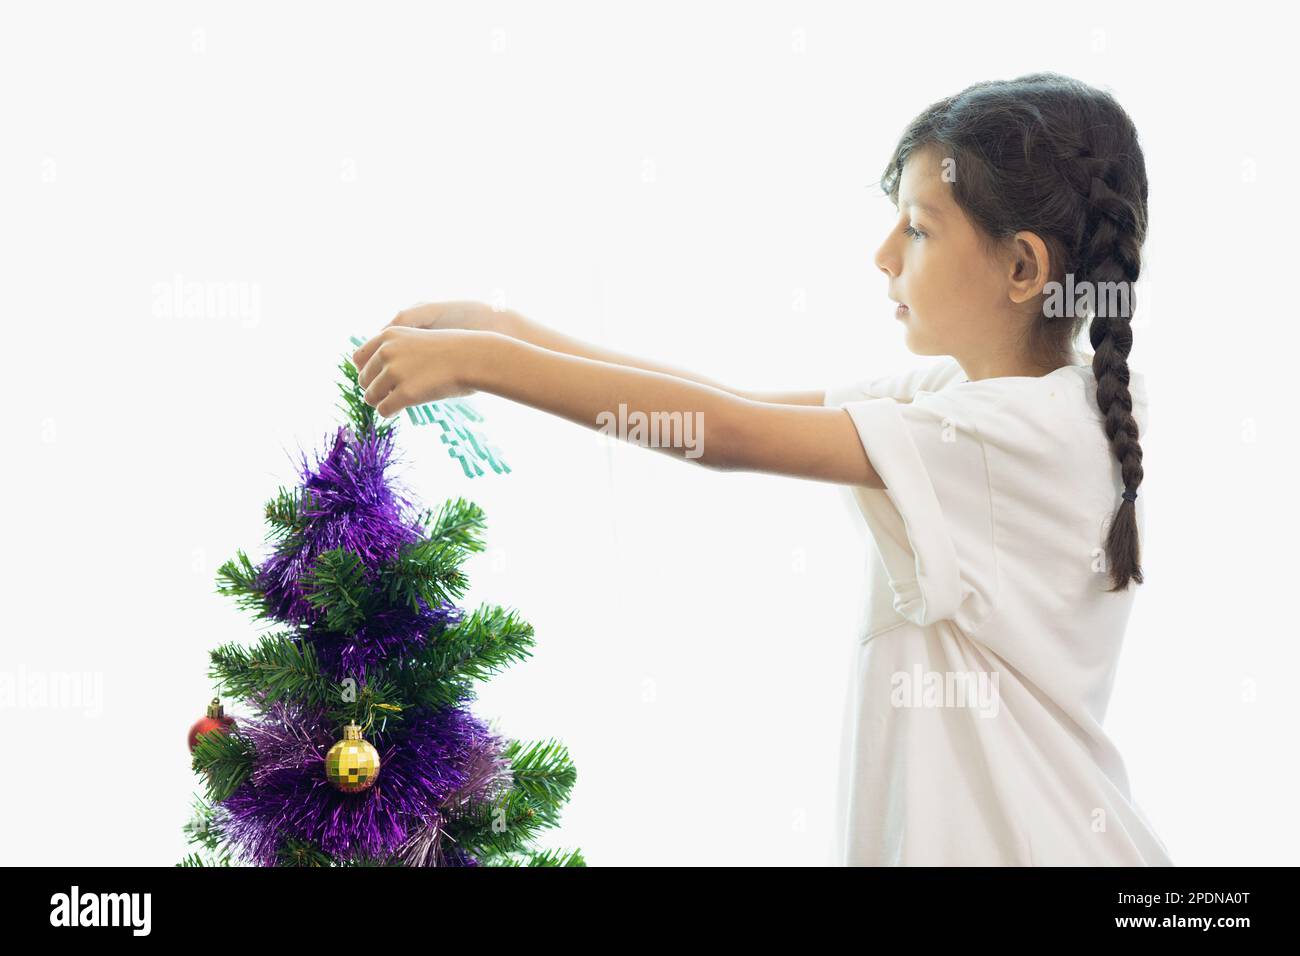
728,432
479,317
525,329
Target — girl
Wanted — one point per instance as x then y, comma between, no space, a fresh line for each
999,483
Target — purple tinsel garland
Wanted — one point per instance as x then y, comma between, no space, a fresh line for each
353,505
434,765
396,633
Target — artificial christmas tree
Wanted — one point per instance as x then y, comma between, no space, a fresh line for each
361,749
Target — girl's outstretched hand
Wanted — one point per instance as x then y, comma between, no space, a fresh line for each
471,316
403,366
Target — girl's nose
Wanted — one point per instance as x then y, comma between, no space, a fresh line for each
886,261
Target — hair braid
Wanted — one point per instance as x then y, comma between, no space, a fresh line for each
1112,255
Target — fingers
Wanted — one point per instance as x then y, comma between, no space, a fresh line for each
373,367
408,317
383,385
391,404
362,354
421,315
362,357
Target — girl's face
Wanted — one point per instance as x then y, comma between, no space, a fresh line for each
959,301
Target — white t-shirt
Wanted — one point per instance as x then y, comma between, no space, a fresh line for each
988,646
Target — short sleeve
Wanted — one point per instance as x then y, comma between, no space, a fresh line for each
902,387
933,523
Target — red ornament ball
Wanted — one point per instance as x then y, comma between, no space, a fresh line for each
215,719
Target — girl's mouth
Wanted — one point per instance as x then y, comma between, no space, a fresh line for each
901,311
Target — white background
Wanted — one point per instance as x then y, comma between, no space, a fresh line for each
690,182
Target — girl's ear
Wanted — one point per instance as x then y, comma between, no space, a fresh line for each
1029,266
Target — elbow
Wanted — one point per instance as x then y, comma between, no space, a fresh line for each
725,447
709,438
707,455
693,437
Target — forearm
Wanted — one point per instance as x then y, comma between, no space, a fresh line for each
523,328
684,418
534,333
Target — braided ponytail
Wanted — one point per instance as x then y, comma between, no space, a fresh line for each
1048,154
1112,256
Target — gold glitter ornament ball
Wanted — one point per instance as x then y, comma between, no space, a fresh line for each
352,764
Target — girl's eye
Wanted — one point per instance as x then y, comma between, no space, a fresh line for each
914,233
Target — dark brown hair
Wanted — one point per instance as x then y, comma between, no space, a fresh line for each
1048,154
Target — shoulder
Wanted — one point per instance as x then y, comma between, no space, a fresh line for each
1060,402
901,386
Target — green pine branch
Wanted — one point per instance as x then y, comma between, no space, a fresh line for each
197,859
227,758
204,830
337,585
378,703
444,670
543,778
238,578
544,771
546,857
302,853
276,668
458,522
363,417
496,828
490,640
284,512
425,570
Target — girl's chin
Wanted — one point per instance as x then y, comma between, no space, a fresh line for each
916,342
